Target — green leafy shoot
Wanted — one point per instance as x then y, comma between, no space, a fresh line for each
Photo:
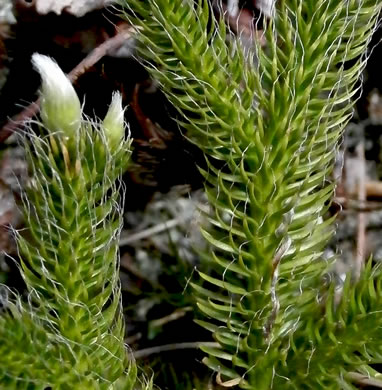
269,120
69,333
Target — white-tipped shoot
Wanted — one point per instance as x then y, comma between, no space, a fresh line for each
60,105
114,124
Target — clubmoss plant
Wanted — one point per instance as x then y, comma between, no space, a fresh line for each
269,122
69,333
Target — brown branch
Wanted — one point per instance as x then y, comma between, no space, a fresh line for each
124,33
174,316
364,380
373,189
102,50
361,228
356,205
143,353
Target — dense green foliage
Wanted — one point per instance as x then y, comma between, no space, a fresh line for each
70,333
269,120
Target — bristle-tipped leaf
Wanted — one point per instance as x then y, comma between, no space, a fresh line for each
269,123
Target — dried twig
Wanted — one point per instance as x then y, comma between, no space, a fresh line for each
143,353
357,205
175,315
102,50
230,383
373,189
364,380
361,229
129,239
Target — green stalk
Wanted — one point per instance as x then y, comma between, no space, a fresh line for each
269,124
70,334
